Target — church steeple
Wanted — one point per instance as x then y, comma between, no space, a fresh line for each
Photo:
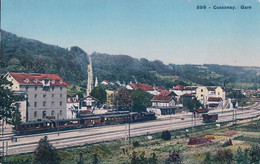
90,77
96,82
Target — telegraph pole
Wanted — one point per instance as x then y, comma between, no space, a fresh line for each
58,126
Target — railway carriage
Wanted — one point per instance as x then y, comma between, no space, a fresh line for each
36,126
115,119
91,121
210,117
85,120
67,123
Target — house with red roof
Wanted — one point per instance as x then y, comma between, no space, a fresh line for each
46,95
88,103
164,103
159,88
143,87
105,82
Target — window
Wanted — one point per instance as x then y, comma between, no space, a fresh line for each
60,95
201,90
26,88
35,96
35,88
52,113
44,103
52,95
60,112
35,114
52,88
218,93
52,103
43,114
61,88
35,104
60,103
44,95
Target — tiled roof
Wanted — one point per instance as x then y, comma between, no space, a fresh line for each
178,87
144,87
162,98
37,78
159,88
167,93
214,99
211,88
190,88
90,97
106,81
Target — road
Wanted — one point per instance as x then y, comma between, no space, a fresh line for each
77,137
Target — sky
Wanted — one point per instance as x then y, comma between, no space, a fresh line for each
173,31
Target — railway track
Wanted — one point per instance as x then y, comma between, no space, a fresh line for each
118,132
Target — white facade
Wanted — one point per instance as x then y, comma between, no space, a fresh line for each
72,109
202,95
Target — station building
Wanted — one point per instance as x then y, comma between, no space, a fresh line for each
46,95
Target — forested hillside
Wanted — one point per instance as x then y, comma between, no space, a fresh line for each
19,54
26,55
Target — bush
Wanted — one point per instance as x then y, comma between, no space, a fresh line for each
255,153
95,158
152,159
200,140
224,155
141,159
166,135
239,156
227,143
136,144
174,157
208,158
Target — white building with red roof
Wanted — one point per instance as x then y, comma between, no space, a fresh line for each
46,95
164,103
88,103
105,82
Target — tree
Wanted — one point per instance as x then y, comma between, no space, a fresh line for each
122,99
99,93
255,153
95,158
191,104
140,100
8,111
45,153
239,156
